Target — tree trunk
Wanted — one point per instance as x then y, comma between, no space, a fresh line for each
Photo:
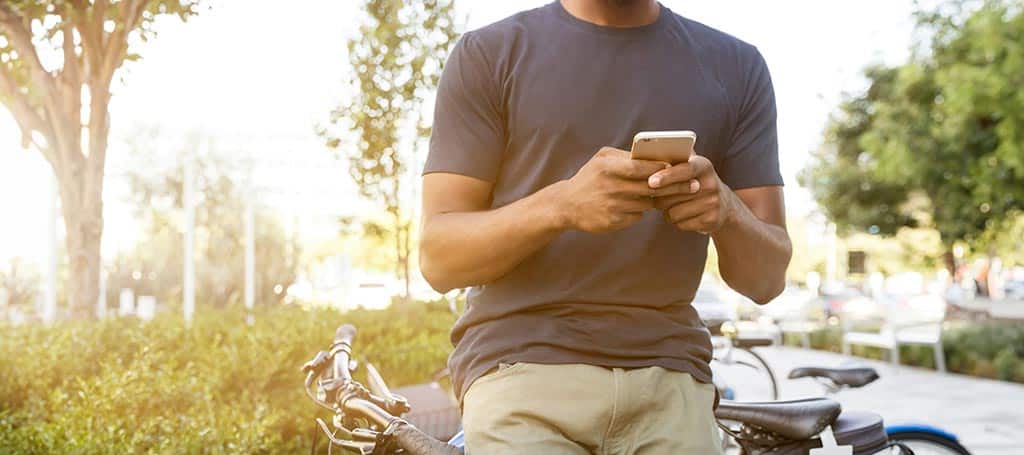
950,261
401,258
80,179
405,258
83,225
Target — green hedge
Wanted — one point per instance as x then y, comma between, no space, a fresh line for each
991,350
122,385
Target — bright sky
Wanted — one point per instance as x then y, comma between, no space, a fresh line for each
258,77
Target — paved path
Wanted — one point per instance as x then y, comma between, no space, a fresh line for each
987,415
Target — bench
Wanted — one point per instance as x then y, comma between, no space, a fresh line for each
899,327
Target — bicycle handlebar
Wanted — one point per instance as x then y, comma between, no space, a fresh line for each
415,442
341,350
353,399
345,334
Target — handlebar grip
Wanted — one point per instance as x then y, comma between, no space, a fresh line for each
415,442
345,334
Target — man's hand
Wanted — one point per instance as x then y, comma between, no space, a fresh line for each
610,192
699,201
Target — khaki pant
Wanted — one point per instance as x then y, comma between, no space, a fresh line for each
529,408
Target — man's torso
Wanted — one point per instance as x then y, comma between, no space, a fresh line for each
567,88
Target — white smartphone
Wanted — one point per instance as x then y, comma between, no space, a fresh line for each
669,146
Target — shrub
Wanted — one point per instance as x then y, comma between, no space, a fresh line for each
123,385
992,350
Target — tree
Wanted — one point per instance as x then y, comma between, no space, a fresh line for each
154,265
18,286
938,141
841,174
57,61
397,59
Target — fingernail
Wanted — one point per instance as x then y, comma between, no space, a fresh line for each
694,186
654,181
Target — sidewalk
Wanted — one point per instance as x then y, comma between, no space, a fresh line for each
987,415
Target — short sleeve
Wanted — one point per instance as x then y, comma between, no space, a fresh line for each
752,158
468,135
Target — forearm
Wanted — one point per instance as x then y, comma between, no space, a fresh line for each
461,249
752,254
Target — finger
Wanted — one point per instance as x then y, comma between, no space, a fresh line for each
635,169
631,188
666,202
690,209
702,223
612,152
690,170
635,205
687,187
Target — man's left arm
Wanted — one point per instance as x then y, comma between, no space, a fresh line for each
753,247
748,225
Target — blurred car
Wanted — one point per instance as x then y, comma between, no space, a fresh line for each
794,303
837,300
1014,289
710,305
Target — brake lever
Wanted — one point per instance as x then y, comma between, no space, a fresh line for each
319,362
381,395
361,447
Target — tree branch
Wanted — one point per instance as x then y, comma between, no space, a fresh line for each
28,118
117,43
14,24
90,29
70,77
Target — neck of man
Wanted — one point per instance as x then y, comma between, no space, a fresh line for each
614,13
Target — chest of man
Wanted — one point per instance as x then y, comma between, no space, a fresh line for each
567,98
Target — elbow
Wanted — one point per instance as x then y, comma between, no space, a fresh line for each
759,289
765,285
770,292
433,272
774,285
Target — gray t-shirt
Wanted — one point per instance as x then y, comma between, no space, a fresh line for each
524,103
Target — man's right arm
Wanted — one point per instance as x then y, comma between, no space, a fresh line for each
466,243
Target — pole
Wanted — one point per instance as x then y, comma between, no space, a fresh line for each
250,259
189,285
49,310
831,254
101,302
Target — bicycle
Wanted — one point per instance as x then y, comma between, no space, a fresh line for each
922,439
734,357
367,421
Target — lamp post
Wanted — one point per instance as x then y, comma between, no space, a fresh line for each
189,274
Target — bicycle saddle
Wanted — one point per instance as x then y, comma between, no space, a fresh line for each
752,342
850,377
796,419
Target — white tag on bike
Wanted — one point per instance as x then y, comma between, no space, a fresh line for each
829,446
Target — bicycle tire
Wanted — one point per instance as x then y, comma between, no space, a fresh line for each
920,441
768,369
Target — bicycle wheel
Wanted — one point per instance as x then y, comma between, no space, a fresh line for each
923,443
745,375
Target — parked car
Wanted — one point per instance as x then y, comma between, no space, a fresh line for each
1014,289
794,303
710,305
835,301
